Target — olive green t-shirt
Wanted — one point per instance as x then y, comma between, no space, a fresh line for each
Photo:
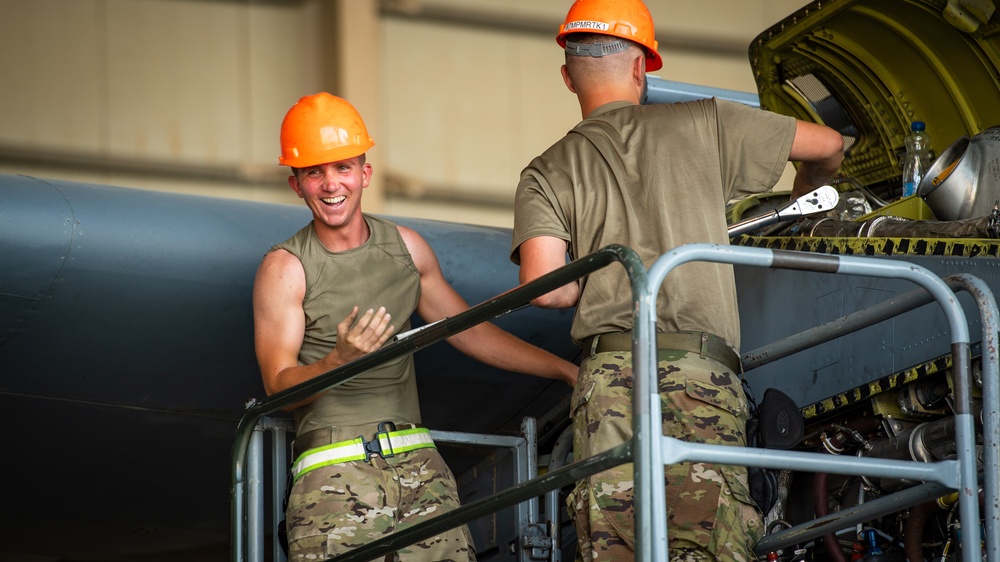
380,272
652,177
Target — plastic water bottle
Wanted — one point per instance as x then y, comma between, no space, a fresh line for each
917,159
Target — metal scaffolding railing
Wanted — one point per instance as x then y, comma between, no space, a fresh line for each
499,305
650,450
651,454
523,455
990,368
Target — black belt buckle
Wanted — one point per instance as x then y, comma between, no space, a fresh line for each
374,447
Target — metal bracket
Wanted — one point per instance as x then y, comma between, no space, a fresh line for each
536,543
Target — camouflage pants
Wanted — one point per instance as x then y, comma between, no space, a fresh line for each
339,507
710,515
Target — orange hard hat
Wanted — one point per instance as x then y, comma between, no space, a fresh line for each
627,19
322,128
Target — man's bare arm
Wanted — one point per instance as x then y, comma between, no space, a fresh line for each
484,342
820,150
542,255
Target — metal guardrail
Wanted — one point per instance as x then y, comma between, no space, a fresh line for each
990,366
522,452
279,428
650,450
432,334
651,454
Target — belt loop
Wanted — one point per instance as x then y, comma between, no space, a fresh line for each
704,345
593,344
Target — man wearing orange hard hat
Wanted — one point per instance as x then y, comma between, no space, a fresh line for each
654,177
333,292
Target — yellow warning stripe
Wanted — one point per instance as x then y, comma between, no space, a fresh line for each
878,386
941,247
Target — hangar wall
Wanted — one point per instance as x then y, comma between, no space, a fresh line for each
188,95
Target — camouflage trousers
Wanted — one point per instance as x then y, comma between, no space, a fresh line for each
710,515
339,507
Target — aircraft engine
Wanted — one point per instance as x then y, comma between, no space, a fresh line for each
911,422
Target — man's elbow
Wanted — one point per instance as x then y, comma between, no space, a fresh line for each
544,301
835,148
817,145
271,386
828,148
555,299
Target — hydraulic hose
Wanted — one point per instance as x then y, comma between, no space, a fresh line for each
822,509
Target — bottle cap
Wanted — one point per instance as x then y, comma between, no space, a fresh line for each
917,126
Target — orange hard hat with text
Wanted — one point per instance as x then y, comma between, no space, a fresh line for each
627,19
322,128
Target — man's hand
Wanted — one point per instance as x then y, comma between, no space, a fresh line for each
367,335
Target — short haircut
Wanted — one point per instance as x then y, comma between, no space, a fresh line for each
582,67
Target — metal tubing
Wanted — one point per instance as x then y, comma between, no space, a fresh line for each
753,223
649,495
650,489
560,451
238,510
475,315
649,451
477,439
529,430
255,468
524,452
279,468
872,267
279,471
521,513
987,303
255,496
516,494
858,514
659,90
944,472
965,445
991,377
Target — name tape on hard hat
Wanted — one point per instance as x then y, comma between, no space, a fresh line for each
586,24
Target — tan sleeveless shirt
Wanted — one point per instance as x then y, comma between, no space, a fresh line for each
380,272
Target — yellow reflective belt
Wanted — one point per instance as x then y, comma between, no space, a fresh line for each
357,449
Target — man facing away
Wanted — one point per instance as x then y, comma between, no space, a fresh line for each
654,178
333,292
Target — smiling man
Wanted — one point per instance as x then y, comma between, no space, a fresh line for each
308,299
